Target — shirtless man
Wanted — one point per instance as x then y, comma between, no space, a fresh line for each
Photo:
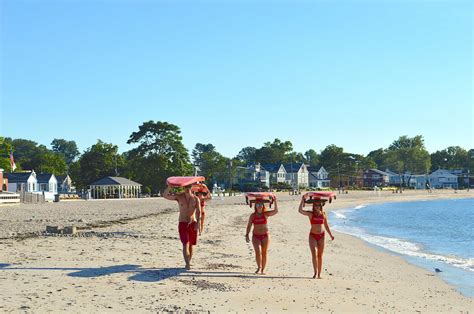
189,219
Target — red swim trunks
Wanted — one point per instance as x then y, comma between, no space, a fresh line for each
187,232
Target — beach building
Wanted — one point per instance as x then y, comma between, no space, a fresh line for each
463,177
418,182
297,175
115,187
375,177
252,177
277,172
47,182
21,181
3,182
65,184
318,178
443,179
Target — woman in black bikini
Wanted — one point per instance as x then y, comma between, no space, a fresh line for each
318,218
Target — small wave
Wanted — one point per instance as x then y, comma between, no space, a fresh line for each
411,249
359,206
340,215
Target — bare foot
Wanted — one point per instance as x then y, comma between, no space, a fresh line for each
262,273
314,277
319,277
258,269
188,267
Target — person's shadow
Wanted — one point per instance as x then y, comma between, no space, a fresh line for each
156,275
104,271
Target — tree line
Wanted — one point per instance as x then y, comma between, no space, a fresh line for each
160,153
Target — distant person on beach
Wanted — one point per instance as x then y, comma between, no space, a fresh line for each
189,219
260,237
204,195
317,218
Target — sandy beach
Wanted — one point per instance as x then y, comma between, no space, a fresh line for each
129,260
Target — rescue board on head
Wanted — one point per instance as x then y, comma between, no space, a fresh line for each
183,181
313,197
261,197
200,188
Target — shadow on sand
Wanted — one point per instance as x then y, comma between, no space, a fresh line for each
147,274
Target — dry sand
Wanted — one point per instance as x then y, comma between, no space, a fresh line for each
136,265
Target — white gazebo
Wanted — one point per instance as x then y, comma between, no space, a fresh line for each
115,187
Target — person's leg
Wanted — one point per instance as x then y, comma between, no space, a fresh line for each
203,216
186,254
265,243
190,253
320,255
312,248
256,247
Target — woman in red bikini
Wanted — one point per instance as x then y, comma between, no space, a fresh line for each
260,237
204,195
318,218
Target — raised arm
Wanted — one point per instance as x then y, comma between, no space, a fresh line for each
208,196
249,226
326,225
197,208
301,210
167,194
274,211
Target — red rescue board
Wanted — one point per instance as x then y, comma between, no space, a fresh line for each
183,181
263,197
312,197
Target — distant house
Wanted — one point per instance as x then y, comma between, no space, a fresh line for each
297,175
375,177
442,179
463,176
417,182
65,184
318,178
394,178
47,182
277,173
252,177
115,187
21,181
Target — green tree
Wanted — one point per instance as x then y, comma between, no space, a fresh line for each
408,155
275,152
160,154
311,157
453,157
379,156
98,161
67,148
50,162
247,155
212,164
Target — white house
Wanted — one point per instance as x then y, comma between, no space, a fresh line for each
47,182
22,181
277,173
318,178
297,175
418,182
441,179
65,184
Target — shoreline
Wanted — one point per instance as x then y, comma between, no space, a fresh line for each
127,273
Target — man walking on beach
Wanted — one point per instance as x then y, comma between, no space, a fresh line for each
189,220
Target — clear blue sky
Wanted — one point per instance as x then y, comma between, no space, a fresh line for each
357,74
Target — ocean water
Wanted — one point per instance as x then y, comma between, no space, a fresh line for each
431,234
